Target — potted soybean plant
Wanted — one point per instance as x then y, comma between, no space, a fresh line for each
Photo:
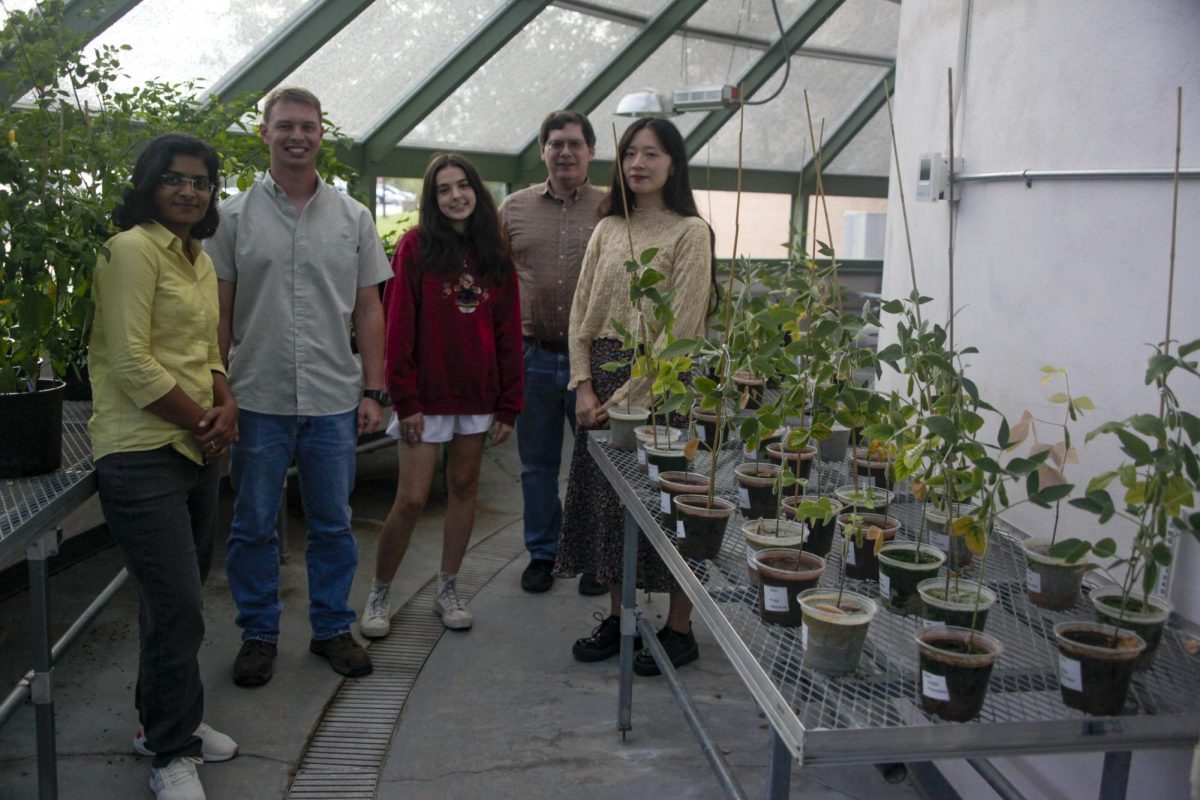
1158,480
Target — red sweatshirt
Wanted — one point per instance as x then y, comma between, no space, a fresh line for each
453,346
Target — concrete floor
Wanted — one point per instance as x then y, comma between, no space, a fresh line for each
502,711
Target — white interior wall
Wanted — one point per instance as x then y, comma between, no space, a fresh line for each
1069,273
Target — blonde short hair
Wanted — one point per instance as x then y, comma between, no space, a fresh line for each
294,94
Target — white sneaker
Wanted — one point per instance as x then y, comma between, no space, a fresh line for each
453,611
376,619
215,745
177,780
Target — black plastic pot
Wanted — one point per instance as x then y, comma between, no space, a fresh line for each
1095,665
752,390
861,561
670,458
820,531
699,529
756,489
967,603
876,470
706,427
782,575
900,571
31,431
956,665
767,534
672,484
799,461
1147,623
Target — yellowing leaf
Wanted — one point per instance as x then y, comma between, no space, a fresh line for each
689,449
976,538
1085,404
961,526
920,491
1059,397
876,533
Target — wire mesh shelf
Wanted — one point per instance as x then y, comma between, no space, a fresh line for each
881,697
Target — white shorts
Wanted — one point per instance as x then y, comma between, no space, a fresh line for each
441,428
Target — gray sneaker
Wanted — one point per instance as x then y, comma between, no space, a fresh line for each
453,611
377,619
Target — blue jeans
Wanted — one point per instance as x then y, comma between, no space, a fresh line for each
323,449
539,443
161,509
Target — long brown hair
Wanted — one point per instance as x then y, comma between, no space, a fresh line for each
442,246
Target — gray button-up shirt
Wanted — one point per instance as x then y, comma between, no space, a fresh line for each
297,276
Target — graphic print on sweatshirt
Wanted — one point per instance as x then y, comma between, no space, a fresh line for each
467,294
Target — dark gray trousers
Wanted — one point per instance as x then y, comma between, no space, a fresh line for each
162,511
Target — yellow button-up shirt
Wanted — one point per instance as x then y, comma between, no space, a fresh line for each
155,327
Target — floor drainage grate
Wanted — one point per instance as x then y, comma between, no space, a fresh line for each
345,754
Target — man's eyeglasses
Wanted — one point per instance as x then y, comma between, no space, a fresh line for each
558,145
176,181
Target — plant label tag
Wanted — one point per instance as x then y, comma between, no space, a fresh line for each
934,686
1070,673
679,529
775,598
1033,580
701,433
922,622
654,473
804,636
641,456
940,540
744,496
664,502
885,586
750,558
850,557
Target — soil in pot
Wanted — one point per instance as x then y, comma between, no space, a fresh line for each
1095,665
834,448
834,632
756,489
863,497
958,555
956,664
868,467
674,483
820,530
765,534
1147,623
1050,582
782,575
699,529
902,566
621,424
800,461
31,430
861,561
957,607
670,458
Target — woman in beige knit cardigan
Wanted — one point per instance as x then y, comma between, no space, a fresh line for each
662,214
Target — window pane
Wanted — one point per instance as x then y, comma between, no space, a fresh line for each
501,106
765,221
869,153
863,218
383,54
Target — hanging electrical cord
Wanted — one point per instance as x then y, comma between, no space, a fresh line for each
787,59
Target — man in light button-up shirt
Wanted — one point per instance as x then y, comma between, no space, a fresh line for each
298,266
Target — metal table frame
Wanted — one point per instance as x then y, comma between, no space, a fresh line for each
1034,721
31,511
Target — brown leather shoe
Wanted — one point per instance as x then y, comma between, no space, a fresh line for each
346,656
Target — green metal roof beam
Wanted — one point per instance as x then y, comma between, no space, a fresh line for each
763,68
848,128
87,18
621,65
288,47
492,35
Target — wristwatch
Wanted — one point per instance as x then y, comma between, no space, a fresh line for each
378,395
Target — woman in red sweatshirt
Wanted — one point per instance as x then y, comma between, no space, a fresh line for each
454,370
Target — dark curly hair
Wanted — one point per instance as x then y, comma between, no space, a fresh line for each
442,246
138,205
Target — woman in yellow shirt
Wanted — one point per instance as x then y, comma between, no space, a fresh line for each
162,415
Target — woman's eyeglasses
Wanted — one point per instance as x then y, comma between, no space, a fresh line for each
174,180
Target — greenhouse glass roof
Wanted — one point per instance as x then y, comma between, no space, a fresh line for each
402,78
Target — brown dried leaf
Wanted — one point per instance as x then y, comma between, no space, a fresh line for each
1049,476
689,449
1072,456
877,535
1020,431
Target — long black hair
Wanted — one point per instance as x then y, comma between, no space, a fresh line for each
442,246
138,204
676,192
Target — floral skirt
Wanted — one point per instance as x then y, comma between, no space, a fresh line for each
593,530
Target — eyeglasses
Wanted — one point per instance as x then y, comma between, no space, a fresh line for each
558,145
174,180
